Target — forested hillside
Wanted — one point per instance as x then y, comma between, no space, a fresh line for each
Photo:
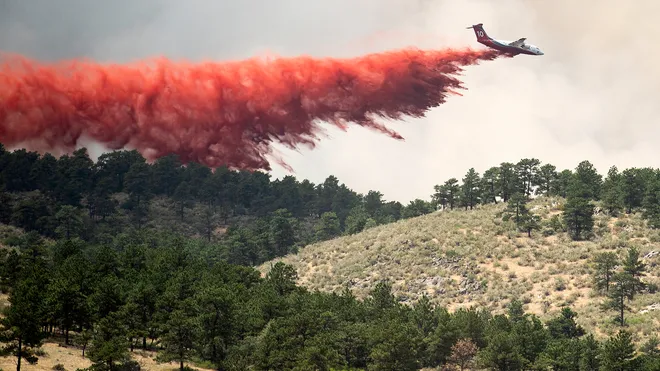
119,257
262,218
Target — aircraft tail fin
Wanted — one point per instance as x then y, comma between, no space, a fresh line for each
479,32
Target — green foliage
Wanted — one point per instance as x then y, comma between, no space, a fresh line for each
634,269
613,192
20,327
74,197
618,285
622,289
604,264
518,212
145,288
651,201
113,279
619,353
447,195
578,216
470,192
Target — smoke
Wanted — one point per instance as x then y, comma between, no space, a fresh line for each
591,96
219,114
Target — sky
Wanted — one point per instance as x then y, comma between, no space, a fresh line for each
592,96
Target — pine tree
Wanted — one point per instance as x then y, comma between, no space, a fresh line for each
109,343
590,354
578,211
604,264
507,181
620,291
635,268
651,203
518,212
452,189
545,180
613,196
619,353
470,189
181,334
589,180
488,185
530,222
516,208
526,173
20,328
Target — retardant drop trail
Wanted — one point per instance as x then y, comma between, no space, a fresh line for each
219,113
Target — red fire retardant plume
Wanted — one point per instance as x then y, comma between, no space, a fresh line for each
225,113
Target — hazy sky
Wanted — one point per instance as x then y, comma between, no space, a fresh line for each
593,95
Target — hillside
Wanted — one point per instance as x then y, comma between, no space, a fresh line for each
157,261
472,258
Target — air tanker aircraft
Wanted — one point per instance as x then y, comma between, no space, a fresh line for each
511,47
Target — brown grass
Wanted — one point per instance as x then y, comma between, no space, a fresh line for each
463,258
71,358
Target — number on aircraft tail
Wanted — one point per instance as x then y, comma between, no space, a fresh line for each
480,33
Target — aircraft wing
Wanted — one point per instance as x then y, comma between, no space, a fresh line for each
518,42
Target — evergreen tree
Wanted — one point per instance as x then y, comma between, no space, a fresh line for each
182,332
590,182
70,221
451,189
416,207
282,234
634,188
527,174
470,189
564,179
440,197
328,226
488,186
20,327
507,181
651,202
604,264
564,325
613,196
545,180
620,291
183,198
578,211
518,212
109,345
619,353
356,220
590,354
635,269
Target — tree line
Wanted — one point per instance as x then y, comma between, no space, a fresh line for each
627,191
74,196
175,296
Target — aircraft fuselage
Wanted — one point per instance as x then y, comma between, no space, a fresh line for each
503,45
515,47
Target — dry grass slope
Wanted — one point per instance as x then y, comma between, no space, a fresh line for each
54,353
471,258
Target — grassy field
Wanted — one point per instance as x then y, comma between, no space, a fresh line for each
471,258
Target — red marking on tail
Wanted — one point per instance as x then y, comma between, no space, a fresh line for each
481,34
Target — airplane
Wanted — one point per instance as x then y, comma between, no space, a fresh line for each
511,47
